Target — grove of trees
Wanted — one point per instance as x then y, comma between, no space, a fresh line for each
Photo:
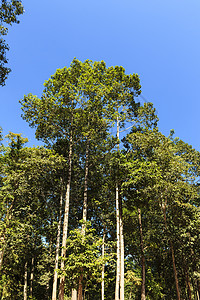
96,213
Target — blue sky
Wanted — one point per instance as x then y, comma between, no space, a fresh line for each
159,40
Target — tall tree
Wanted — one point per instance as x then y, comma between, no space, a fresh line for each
85,91
152,183
158,174
29,180
122,109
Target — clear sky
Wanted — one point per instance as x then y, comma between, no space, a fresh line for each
158,39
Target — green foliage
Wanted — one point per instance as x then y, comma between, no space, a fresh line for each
9,12
132,282
28,185
157,177
84,258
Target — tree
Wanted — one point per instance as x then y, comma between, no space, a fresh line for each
29,178
158,179
83,259
9,11
77,105
151,183
122,106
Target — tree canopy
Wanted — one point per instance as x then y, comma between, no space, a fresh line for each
9,12
92,216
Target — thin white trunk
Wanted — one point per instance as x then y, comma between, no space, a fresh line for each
85,199
117,286
25,280
103,267
198,295
198,289
85,196
118,246
2,249
74,294
31,277
55,278
122,255
65,223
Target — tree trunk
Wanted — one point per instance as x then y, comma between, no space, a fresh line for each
173,256
188,287
84,293
2,249
85,195
65,223
80,288
118,246
143,296
198,288
55,278
117,286
103,267
31,277
85,200
198,297
25,280
121,254
74,294
49,266
187,279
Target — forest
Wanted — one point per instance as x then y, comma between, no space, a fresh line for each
108,208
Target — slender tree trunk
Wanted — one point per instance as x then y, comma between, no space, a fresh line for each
85,195
118,245
103,267
84,294
55,278
117,286
173,256
198,296
187,279
80,288
121,254
49,267
74,294
31,277
143,296
25,280
2,249
85,200
193,288
66,217
188,286
198,288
